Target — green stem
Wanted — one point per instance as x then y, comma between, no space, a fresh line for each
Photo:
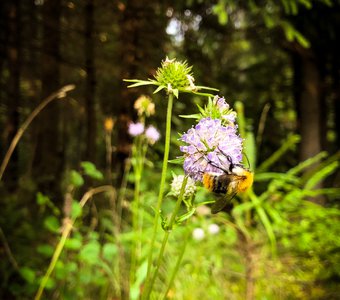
54,260
162,184
167,233
139,155
135,221
178,263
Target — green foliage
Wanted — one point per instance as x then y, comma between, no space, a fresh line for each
28,274
76,179
211,110
90,170
52,224
278,216
76,210
44,201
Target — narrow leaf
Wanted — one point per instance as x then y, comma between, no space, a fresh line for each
161,87
193,116
321,175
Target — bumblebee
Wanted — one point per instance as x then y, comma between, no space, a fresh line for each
233,181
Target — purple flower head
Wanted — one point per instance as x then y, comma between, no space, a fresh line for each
208,145
136,129
221,103
152,134
230,117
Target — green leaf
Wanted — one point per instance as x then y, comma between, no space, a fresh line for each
46,250
161,87
177,161
193,116
42,199
140,277
90,252
50,284
76,179
250,150
175,91
268,21
206,88
73,244
140,82
243,207
239,107
220,10
60,271
109,251
28,274
71,267
52,224
76,210
302,40
287,177
202,110
330,192
321,175
91,170
307,163
93,235
265,220
291,141
185,216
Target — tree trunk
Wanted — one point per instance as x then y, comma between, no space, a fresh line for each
308,99
142,32
49,156
90,83
13,87
309,108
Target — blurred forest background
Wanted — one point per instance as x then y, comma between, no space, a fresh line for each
280,58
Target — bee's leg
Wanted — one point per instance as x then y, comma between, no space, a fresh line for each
232,165
215,165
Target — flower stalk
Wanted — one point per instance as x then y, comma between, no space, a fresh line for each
161,189
178,263
166,236
139,153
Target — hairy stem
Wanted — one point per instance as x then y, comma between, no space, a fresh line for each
167,233
139,155
161,189
178,263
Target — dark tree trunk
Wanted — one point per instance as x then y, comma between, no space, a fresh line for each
142,35
90,83
49,157
308,98
309,108
13,86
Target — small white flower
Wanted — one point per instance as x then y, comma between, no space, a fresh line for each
198,234
176,185
213,229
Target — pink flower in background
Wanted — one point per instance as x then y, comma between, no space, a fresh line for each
152,134
136,129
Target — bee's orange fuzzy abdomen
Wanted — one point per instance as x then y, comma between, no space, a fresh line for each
208,181
247,182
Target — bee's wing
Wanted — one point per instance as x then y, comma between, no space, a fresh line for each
221,202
